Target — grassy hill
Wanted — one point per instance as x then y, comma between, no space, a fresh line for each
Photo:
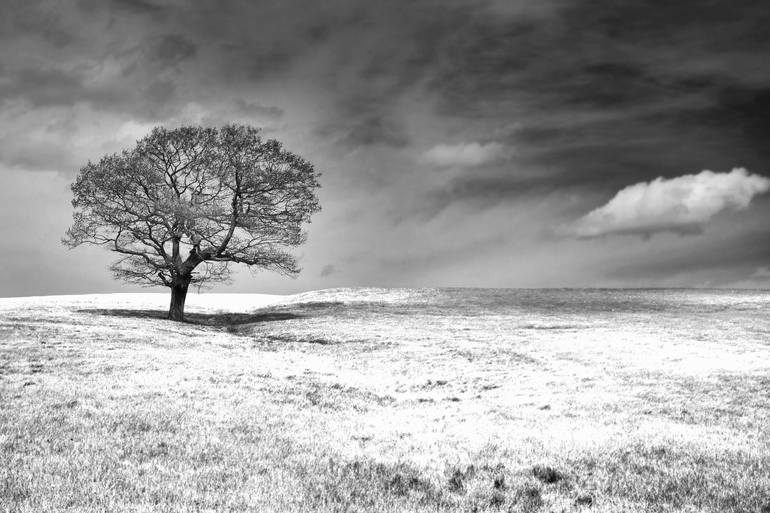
386,400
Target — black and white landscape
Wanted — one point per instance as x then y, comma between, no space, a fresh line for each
528,242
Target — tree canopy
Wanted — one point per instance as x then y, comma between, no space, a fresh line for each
185,204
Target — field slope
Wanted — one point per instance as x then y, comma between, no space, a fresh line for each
387,400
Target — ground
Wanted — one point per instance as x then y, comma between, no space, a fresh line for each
385,400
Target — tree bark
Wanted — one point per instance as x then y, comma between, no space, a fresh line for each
179,288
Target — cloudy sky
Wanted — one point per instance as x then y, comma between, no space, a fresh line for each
494,143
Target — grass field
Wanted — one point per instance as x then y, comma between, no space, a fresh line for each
387,400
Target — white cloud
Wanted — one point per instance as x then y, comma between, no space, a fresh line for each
683,204
463,154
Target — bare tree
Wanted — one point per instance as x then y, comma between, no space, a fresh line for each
195,199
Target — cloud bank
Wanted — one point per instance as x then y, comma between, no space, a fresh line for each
681,205
450,140
463,154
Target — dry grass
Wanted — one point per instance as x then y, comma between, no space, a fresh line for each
385,401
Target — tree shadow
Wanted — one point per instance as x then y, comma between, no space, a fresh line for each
217,320
231,320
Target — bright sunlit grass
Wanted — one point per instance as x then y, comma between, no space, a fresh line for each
372,400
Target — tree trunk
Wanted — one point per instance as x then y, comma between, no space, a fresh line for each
178,295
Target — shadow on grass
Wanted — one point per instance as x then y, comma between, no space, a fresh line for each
230,319
218,320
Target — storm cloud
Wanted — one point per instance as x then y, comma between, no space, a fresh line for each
454,139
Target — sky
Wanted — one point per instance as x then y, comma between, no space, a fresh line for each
462,143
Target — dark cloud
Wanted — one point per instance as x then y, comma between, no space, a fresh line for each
719,260
745,111
38,19
606,94
581,98
486,191
159,92
51,87
139,6
172,49
370,131
44,87
37,155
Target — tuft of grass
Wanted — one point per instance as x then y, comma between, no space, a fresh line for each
584,500
546,474
528,498
497,499
456,482
368,484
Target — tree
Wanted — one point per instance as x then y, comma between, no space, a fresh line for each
195,199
